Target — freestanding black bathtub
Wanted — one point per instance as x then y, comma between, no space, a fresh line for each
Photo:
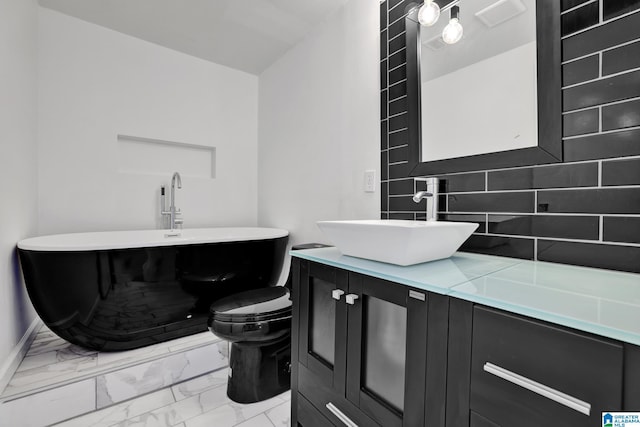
127,289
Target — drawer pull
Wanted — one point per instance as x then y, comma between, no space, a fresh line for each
541,389
342,417
336,294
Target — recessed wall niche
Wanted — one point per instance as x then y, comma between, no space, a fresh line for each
150,156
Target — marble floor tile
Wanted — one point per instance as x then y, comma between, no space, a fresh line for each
180,411
280,416
232,413
126,383
257,421
54,373
201,384
45,408
43,346
123,411
47,358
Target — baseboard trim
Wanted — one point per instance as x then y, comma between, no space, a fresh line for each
12,362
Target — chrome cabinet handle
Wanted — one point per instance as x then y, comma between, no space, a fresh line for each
342,417
351,299
336,294
541,389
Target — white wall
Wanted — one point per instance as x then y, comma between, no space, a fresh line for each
18,53
319,126
95,84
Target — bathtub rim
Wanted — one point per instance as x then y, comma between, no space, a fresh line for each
126,239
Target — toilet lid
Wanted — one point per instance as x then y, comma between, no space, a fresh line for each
258,304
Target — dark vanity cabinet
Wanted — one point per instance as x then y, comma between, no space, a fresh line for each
529,373
361,350
370,352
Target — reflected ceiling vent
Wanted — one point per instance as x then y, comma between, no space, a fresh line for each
500,11
435,43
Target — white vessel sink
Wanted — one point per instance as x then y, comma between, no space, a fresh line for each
397,242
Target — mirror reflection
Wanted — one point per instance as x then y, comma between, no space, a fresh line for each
478,95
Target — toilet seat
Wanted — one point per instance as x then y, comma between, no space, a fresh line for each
255,315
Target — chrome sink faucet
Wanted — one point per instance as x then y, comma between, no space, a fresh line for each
431,194
172,212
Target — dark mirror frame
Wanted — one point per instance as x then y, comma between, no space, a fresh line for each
549,149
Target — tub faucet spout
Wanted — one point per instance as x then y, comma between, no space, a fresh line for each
172,212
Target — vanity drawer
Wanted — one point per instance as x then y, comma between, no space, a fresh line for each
330,404
528,373
308,416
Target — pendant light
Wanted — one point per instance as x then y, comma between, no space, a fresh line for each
452,33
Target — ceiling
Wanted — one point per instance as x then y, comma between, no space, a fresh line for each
247,35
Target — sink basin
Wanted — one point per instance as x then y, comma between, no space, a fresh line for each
399,242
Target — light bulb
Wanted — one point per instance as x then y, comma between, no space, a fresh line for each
452,33
429,13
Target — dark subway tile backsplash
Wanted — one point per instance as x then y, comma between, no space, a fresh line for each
397,90
383,104
621,59
580,18
397,59
406,203
397,75
621,229
622,115
398,106
611,89
462,182
585,213
604,146
559,226
602,37
613,8
581,122
401,186
481,220
384,135
400,154
396,28
511,202
594,201
398,122
569,4
581,70
556,176
611,257
397,10
621,172
511,247
398,138
396,44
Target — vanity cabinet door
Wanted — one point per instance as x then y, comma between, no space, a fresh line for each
529,373
387,351
322,331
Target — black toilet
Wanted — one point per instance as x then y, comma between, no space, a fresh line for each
258,324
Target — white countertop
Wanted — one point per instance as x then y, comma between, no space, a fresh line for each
602,302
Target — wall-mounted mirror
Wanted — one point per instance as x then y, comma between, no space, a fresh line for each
492,99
